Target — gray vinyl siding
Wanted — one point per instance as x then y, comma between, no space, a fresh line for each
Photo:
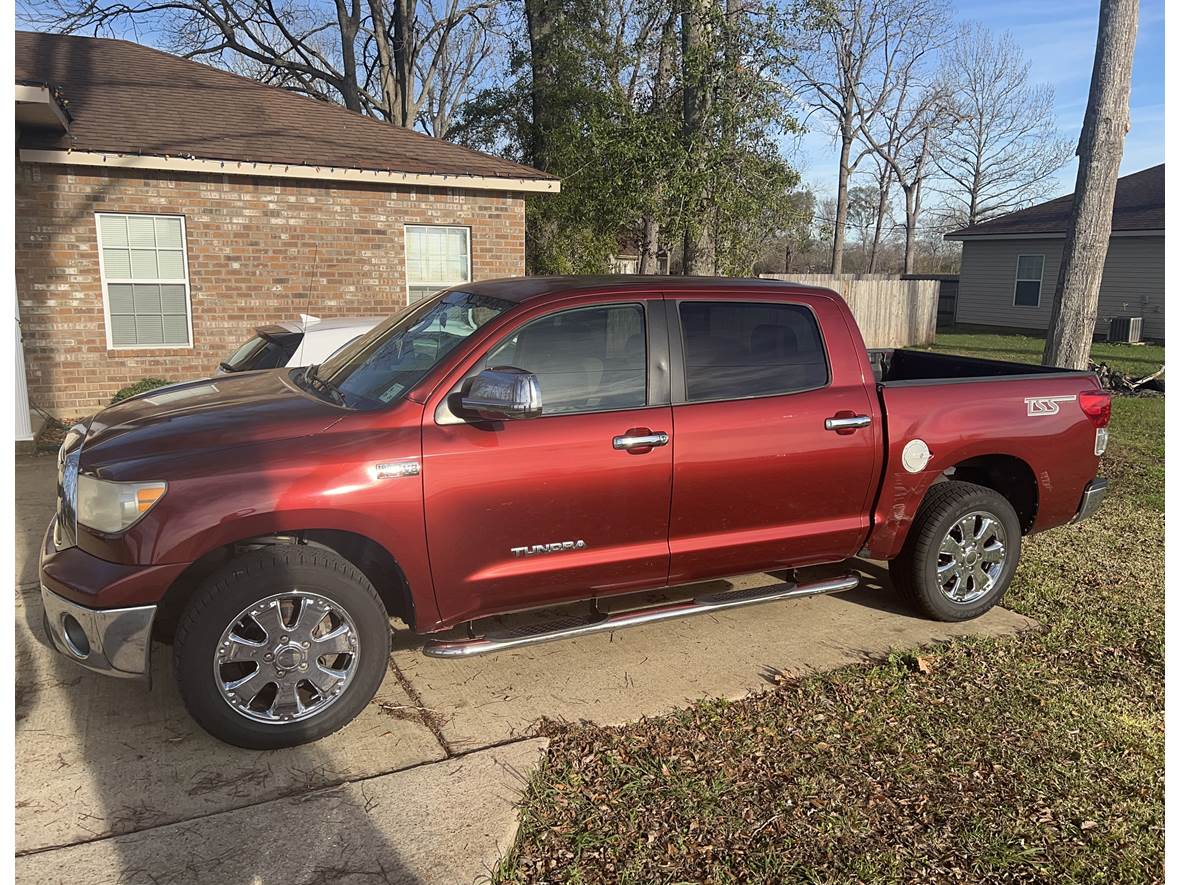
1132,283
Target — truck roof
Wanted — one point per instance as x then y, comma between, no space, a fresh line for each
520,289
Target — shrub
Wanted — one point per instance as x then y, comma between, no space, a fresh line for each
141,386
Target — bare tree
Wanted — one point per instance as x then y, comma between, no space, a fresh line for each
911,109
1100,151
1004,149
883,179
845,75
386,58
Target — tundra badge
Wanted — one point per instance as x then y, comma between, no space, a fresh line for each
555,547
392,469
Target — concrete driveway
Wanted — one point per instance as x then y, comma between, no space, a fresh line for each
118,781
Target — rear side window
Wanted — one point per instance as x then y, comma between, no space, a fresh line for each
734,350
587,360
264,352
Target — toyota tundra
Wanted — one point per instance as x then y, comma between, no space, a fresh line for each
520,444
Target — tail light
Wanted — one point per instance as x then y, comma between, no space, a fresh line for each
1096,405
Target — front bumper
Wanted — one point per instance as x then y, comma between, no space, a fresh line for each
1092,499
114,642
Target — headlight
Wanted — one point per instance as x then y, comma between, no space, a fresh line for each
115,506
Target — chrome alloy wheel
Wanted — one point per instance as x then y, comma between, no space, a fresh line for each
286,658
971,557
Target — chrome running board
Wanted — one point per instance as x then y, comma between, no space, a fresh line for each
569,628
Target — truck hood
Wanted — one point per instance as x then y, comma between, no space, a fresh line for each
217,413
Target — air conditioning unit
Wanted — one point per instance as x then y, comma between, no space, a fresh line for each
1127,330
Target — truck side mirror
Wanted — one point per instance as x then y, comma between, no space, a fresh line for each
501,394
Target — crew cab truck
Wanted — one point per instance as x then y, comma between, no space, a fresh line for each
518,444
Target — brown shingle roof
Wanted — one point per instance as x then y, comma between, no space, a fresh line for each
1138,206
132,99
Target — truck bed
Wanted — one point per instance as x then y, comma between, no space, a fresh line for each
896,367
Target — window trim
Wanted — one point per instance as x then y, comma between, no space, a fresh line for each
1040,281
656,390
680,376
466,228
104,281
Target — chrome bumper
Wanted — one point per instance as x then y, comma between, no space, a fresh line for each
1092,499
114,642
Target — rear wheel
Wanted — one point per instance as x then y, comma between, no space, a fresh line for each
283,646
961,553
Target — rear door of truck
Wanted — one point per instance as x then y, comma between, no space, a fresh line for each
777,432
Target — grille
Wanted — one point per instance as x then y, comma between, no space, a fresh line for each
66,531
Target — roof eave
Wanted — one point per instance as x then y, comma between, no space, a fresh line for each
1048,235
115,160
38,107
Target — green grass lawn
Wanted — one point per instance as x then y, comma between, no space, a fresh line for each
1137,360
1029,758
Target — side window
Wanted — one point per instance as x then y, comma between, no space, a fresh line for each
144,267
587,360
734,350
1029,270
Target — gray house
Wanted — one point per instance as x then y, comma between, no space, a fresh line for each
1009,267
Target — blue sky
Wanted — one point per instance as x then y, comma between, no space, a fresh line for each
1058,37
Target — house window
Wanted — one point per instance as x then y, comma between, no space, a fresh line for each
437,258
1029,270
144,267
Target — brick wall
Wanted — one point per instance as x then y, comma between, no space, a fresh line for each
259,250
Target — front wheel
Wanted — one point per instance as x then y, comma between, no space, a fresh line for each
283,646
961,552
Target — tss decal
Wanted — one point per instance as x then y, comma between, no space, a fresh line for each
1046,405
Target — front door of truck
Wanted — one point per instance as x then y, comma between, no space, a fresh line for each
526,512
777,437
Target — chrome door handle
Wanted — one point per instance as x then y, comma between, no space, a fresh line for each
644,441
847,423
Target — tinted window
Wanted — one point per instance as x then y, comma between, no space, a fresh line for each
734,350
587,360
394,356
263,352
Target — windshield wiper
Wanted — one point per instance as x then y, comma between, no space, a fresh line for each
311,376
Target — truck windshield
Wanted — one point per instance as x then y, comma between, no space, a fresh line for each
383,364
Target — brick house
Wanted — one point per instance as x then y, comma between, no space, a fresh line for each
164,208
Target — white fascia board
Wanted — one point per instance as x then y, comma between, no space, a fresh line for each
1050,236
43,96
289,170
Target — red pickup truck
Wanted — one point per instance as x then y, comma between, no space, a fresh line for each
519,444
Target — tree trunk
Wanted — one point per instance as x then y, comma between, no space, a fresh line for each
882,205
841,205
401,105
349,23
650,247
385,64
543,19
698,247
1100,151
912,207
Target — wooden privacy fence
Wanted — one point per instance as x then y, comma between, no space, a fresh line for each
890,311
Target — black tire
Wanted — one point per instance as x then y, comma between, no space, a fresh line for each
252,577
915,571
